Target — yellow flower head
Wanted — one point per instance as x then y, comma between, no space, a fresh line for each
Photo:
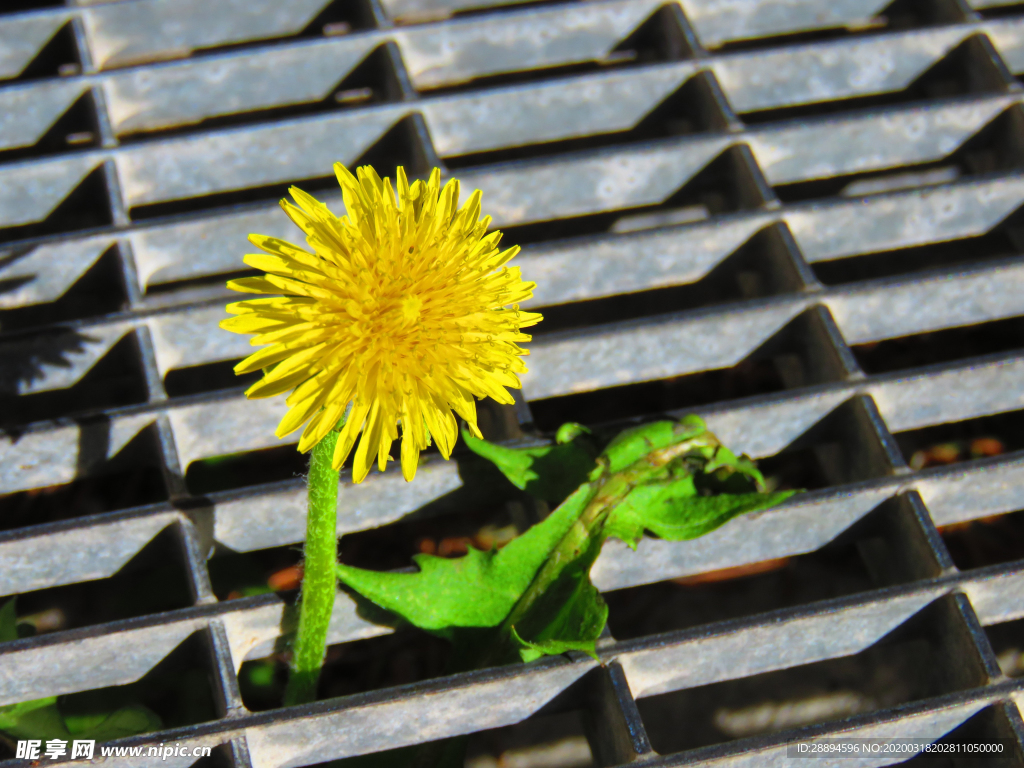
401,310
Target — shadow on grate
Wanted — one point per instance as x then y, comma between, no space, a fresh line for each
131,478
177,692
985,541
996,148
116,380
153,581
972,67
238,470
919,659
960,441
832,571
940,346
100,291
802,353
87,207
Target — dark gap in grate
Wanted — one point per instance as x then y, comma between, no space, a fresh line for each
996,148
732,593
542,741
695,107
19,6
117,379
131,478
942,346
407,656
237,197
58,57
179,690
207,378
220,757
960,441
558,229
1007,640
486,512
985,541
75,130
967,69
372,81
220,473
153,581
908,664
1000,243
914,14
159,293
234,575
86,207
896,542
844,447
763,266
800,354
990,727
89,496
100,291
1002,11
786,39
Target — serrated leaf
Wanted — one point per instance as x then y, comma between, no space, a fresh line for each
570,616
477,590
549,472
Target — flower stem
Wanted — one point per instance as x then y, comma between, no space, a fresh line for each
319,582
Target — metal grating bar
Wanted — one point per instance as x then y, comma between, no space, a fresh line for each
702,188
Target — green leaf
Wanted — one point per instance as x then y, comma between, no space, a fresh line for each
8,622
633,444
38,719
673,512
126,721
570,616
549,472
477,590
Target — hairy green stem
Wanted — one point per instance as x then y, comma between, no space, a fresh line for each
319,580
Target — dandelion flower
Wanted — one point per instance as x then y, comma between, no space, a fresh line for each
404,308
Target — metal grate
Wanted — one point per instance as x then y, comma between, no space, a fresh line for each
799,219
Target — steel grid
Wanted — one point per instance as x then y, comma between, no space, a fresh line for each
138,147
